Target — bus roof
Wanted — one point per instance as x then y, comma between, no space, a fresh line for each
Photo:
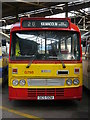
71,27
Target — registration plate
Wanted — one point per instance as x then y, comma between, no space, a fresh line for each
45,97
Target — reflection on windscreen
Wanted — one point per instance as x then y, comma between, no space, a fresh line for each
45,45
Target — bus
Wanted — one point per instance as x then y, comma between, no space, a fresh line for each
45,60
0,66
3,67
86,59
4,55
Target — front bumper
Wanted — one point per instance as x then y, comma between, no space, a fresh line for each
32,94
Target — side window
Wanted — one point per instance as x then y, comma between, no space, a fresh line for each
76,46
86,49
88,46
13,45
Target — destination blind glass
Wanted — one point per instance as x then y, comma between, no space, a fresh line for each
45,24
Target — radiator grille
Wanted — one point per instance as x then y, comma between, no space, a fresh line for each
57,92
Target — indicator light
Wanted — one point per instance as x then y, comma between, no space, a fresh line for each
14,70
76,70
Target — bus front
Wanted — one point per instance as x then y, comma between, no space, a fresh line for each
45,60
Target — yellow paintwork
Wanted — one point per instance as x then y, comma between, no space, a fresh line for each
1,58
0,81
35,72
0,65
4,62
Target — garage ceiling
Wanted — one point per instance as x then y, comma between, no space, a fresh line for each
13,11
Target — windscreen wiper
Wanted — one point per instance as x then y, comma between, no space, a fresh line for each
29,64
60,61
64,66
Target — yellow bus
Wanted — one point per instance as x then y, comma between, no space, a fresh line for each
45,60
0,66
3,67
4,55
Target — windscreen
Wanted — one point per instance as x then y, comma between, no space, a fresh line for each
45,45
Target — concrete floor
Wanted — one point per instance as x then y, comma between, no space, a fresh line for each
44,109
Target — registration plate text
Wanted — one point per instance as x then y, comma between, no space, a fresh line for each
45,97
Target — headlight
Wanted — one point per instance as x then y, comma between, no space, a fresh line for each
75,81
69,82
15,82
22,82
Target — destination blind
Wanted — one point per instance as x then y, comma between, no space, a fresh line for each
45,24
